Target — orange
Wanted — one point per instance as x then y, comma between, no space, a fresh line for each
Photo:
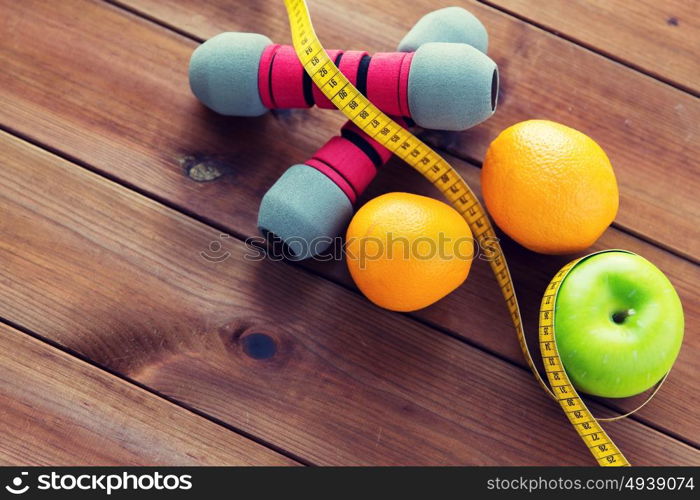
406,251
549,187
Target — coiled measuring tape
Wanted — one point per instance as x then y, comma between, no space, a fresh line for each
338,89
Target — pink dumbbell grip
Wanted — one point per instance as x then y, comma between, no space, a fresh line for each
351,160
383,78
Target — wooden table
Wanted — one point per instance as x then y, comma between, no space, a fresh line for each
121,344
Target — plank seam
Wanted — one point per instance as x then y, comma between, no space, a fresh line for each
75,354
590,48
239,236
143,15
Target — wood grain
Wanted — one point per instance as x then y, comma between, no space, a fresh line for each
56,410
121,279
88,100
659,38
649,129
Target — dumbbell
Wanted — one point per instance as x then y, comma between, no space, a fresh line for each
311,203
446,86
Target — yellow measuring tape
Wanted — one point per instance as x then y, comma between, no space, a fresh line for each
336,87
587,426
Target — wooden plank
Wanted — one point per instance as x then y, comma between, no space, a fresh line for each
70,110
648,129
57,410
120,279
659,38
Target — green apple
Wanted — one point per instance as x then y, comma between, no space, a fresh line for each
619,324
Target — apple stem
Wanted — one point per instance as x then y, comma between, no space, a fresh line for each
619,317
